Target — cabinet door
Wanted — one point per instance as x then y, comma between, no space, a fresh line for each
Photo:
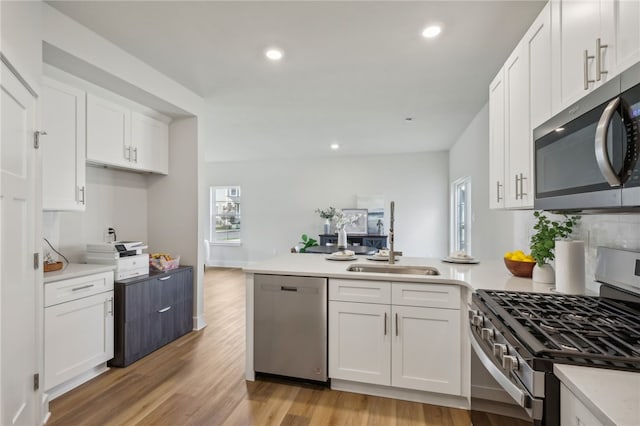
375,242
78,336
496,142
150,142
624,24
518,130
577,24
360,342
63,148
426,349
138,329
538,46
573,412
108,132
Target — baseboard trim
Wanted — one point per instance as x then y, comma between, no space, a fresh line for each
199,323
70,384
451,401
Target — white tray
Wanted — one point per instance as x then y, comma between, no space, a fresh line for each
455,260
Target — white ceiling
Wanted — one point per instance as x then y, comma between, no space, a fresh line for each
352,72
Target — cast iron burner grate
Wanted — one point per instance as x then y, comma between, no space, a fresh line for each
584,329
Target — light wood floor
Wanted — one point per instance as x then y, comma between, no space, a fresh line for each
199,380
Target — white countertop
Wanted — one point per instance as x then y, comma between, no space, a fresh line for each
73,270
612,396
491,274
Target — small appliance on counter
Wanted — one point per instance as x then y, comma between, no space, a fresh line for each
126,256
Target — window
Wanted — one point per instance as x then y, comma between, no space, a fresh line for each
461,217
225,215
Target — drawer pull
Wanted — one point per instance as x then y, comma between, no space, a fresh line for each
163,310
82,287
164,278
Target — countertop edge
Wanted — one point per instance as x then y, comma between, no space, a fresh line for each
75,270
565,372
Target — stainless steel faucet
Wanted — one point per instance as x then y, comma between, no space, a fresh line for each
392,255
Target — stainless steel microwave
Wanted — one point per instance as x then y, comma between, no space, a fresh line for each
586,157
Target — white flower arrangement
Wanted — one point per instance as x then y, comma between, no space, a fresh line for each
343,220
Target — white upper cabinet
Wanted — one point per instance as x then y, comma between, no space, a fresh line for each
517,130
519,100
63,148
538,45
150,143
120,137
496,142
625,33
583,48
108,132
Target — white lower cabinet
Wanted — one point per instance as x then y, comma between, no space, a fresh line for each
78,327
360,342
573,412
386,343
426,349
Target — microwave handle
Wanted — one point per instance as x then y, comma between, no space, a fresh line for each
602,156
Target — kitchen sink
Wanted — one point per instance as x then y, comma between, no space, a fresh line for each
394,269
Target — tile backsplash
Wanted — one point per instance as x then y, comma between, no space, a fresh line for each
610,230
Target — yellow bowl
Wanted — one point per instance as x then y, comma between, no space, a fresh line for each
518,268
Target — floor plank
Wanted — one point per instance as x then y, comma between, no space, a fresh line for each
199,380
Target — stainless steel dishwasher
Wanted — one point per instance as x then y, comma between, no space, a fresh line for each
290,326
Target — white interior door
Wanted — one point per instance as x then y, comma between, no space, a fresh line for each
18,359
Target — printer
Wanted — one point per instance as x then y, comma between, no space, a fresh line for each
125,256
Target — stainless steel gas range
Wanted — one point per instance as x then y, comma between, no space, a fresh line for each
518,336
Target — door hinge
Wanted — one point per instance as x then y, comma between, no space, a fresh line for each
36,381
36,260
36,138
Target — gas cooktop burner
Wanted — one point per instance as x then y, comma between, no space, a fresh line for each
594,329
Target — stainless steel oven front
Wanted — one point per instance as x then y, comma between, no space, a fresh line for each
508,367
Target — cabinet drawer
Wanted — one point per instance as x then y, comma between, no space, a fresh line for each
427,295
360,291
76,288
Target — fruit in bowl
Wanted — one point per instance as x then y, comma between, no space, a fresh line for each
519,263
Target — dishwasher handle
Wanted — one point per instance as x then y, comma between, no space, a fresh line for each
287,288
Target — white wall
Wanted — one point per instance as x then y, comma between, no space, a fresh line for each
491,230
279,199
115,199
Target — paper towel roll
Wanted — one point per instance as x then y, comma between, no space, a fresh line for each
570,267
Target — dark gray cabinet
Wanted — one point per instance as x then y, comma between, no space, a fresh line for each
150,312
372,240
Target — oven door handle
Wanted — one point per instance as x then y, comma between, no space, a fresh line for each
601,144
523,399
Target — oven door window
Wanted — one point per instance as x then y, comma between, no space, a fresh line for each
565,159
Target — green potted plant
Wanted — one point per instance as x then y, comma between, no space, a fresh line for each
308,242
543,243
327,215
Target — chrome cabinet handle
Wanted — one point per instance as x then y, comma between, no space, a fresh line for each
516,186
82,287
498,186
586,70
396,324
109,306
599,70
164,278
163,310
81,195
127,153
602,155
135,155
522,179
385,323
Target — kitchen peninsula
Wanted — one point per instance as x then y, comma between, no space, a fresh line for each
370,313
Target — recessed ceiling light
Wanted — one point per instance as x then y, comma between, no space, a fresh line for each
560,129
274,54
334,146
431,31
